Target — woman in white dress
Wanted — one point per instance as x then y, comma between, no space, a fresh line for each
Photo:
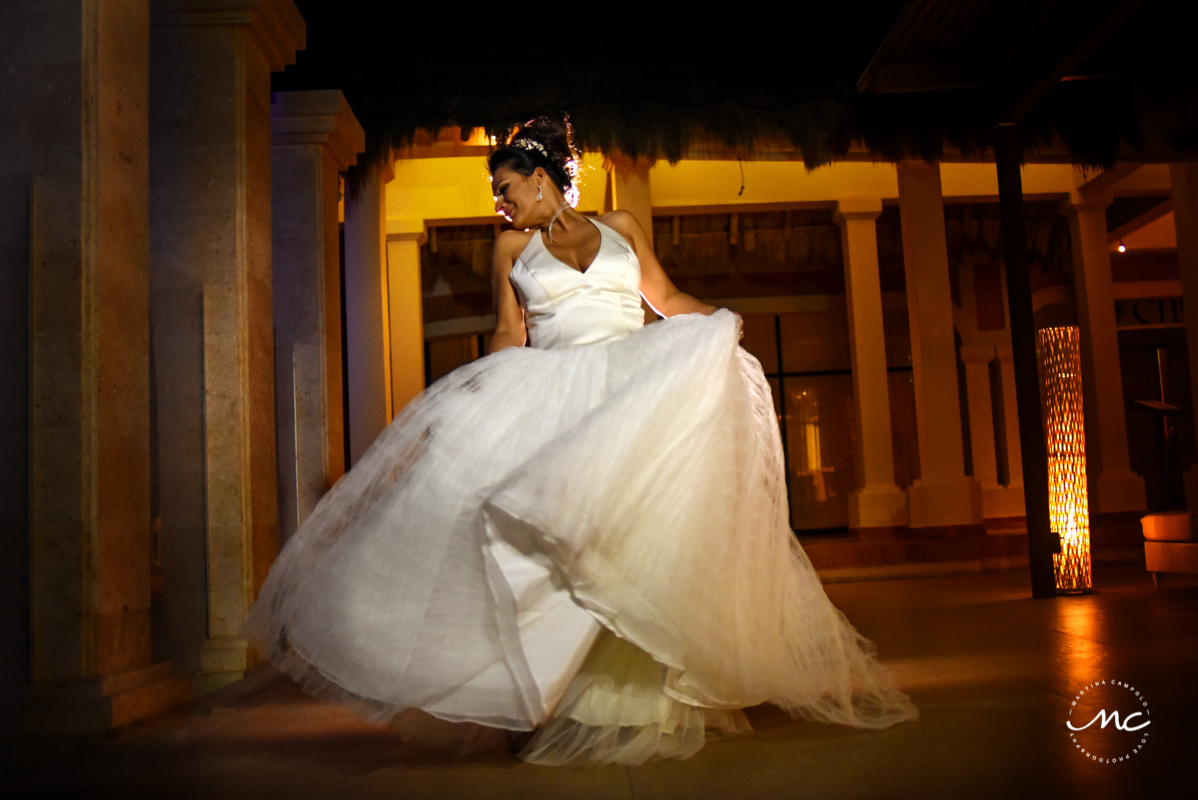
587,538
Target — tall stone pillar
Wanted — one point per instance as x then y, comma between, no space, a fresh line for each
977,360
314,138
943,495
878,502
1114,488
74,143
367,327
1184,180
997,500
630,189
20,41
630,192
211,315
1006,365
406,311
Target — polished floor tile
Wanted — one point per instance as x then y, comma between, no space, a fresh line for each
994,673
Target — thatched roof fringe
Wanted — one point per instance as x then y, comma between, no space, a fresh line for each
1097,121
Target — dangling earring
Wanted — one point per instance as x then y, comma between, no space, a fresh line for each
538,192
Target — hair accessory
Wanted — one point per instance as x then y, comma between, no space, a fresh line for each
529,144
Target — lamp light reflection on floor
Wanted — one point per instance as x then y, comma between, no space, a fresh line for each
1059,354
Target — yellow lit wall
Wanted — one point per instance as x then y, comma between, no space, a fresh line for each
438,188
1160,234
456,188
981,180
701,183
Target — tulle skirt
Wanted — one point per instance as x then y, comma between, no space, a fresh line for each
590,542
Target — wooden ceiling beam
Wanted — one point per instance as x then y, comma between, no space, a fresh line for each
1113,22
930,77
1151,215
1105,181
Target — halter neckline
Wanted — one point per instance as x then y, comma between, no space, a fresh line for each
580,270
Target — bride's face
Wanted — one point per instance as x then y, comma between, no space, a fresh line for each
516,195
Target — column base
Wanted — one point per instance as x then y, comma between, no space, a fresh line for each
956,501
223,661
877,507
183,653
95,705
1003,501
1119,491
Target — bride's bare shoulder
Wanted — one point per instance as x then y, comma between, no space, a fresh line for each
619,220
623,223
509,244
513,239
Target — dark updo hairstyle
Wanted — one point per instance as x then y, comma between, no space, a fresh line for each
559,159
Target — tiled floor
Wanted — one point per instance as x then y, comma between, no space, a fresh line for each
992,671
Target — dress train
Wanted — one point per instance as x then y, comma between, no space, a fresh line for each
590,541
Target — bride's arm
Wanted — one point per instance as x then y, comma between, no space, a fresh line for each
656,287
509,329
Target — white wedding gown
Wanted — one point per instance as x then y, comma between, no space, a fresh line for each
587,537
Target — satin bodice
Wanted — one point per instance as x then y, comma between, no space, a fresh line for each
565,307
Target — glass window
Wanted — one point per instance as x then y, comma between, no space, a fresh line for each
442,356
811,377
776,393
820,445
816,341
761,340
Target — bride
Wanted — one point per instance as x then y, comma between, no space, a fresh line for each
586,538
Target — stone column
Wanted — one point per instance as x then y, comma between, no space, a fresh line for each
943,495
74,144
1113,486
1006,365
367,328
211,315
406,311
630,189
630,192
997,500
20,42
1184,180
878,502
314,138
977,360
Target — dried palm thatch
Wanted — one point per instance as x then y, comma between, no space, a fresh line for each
742,92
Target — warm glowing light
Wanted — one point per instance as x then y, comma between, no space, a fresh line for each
1060,370
1122,247
809,457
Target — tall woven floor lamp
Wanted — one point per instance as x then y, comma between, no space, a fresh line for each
1059,354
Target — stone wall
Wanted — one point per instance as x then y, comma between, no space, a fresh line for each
77,82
